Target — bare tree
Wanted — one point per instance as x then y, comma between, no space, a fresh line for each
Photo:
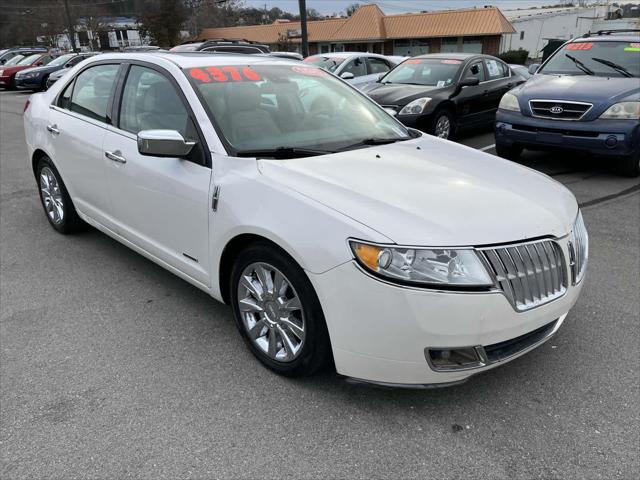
162,20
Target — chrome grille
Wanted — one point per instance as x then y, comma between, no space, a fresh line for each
579,250
558,109
530,274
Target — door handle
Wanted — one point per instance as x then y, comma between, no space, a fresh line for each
53,129
115,156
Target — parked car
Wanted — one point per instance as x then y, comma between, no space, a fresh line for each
288,55
444,93
222,46
141,48
521,70
9,53
359,69
8,72
36,78
585,98
334,232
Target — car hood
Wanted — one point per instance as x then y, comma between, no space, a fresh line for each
580,88
397,94
43,69
432,192
11,70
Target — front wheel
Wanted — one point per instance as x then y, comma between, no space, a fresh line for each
630,166
510,153
277,311
443,125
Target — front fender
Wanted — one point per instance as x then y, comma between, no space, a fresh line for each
313,234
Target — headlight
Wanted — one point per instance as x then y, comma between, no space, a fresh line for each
623,110
509,102
434,267
1,72
416,107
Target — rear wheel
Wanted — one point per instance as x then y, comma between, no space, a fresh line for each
630,165
510,153
44,83
277,311
55,199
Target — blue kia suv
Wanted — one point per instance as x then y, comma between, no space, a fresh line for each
585,97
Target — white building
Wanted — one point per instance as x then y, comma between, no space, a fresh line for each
534,27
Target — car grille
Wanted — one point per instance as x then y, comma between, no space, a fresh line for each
578,251
530,274
559,110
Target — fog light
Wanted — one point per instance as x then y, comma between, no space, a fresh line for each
611,141
454,358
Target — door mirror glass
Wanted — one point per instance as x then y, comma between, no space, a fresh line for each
469,82
347,75
163,143
533,68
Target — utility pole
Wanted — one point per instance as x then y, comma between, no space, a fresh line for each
303,27
72,33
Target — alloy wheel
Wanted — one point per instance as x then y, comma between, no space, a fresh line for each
443,127
51,195
271,312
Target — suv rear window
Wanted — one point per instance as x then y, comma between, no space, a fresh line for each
601,58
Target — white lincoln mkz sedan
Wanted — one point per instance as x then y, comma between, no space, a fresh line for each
334,232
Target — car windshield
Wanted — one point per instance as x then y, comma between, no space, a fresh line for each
437,72
328,63
29,60
290,107
605,58
61,60
14,60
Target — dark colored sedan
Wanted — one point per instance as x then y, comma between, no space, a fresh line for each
36,78
443,93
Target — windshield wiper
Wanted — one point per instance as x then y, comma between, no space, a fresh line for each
374,141
613,65
282,152
579,64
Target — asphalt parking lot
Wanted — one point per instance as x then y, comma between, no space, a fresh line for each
111,367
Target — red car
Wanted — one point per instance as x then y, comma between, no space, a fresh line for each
8,70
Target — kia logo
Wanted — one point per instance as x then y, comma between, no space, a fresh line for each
556,109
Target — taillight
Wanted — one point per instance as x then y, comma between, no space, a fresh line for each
26,105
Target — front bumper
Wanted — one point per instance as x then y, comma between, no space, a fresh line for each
5,81
611,138
381,333
29,83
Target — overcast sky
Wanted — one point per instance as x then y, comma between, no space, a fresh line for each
328,7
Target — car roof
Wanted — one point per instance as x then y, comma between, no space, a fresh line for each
345,54
627,37
198,59
453,56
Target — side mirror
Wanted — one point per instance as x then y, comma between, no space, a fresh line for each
347,75
39,64
469,82
380,75
2,61
533,68
163,143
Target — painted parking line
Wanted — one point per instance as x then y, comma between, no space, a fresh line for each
488,147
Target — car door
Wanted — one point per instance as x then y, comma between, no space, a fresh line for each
471,103
78,121
160,203
358,68
499,82
376,67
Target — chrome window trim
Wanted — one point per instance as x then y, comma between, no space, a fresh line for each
590,105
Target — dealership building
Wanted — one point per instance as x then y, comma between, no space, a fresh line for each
477,30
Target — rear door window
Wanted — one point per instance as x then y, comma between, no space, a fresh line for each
496,69
378,65
356,66
92,91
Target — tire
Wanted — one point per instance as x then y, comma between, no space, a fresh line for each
289,339
442,119
630,166
510,153
55,199
43,88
